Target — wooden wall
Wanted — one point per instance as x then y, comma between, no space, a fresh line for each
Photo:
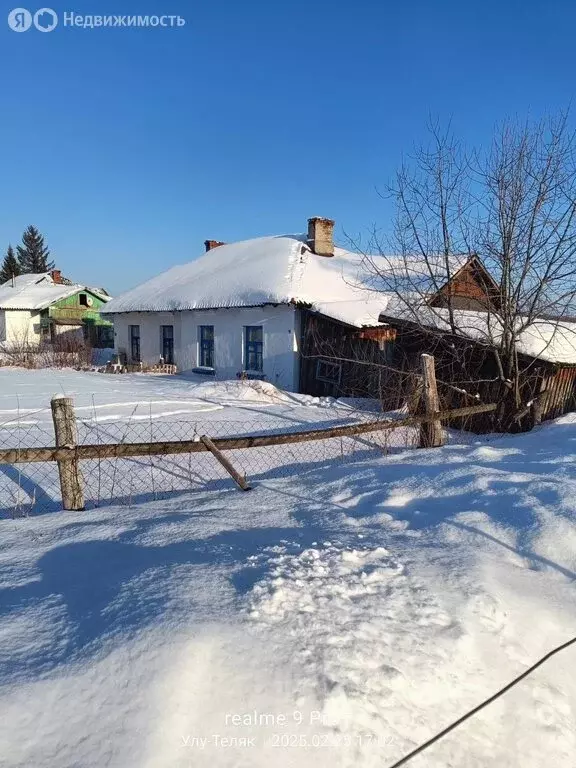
363,355
470,288
560,392
384,363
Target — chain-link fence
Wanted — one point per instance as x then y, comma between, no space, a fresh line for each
33,487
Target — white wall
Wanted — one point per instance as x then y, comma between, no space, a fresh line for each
280,329
21,326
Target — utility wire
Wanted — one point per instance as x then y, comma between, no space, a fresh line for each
485,703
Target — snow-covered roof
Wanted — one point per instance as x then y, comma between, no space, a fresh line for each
549,340
36,292
266,270
554,341
416,275
362,311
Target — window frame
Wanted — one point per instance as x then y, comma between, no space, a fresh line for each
253,348
135,338
205,347
328,379
169,358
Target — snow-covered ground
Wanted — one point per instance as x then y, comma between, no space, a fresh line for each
25,399
143,408
337,617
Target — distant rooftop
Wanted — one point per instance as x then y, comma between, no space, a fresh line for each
38,291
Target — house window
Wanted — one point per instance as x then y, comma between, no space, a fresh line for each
83,300
253,348
327,371
104,336
167,334
206,344
135,343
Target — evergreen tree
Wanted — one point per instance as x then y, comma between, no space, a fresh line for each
10,267
33,254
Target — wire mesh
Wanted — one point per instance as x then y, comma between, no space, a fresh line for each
34,488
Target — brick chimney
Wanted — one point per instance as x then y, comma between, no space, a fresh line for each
210,244
321,236
56,276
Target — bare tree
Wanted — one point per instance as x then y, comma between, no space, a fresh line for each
509,211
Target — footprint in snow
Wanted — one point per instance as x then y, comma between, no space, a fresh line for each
489,612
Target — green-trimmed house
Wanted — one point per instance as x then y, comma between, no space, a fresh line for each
47,307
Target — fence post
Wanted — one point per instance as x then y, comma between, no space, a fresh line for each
236,476
66,437
431,432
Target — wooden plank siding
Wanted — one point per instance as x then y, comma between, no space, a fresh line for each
560,393
383,362
464,364
362,357
471,287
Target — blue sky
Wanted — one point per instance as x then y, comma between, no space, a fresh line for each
129,147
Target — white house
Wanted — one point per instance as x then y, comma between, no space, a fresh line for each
237,308
36,307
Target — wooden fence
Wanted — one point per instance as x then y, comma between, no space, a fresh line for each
67,453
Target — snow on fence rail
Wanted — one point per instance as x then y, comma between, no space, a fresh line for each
74,472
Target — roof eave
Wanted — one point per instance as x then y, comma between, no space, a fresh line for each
194,309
